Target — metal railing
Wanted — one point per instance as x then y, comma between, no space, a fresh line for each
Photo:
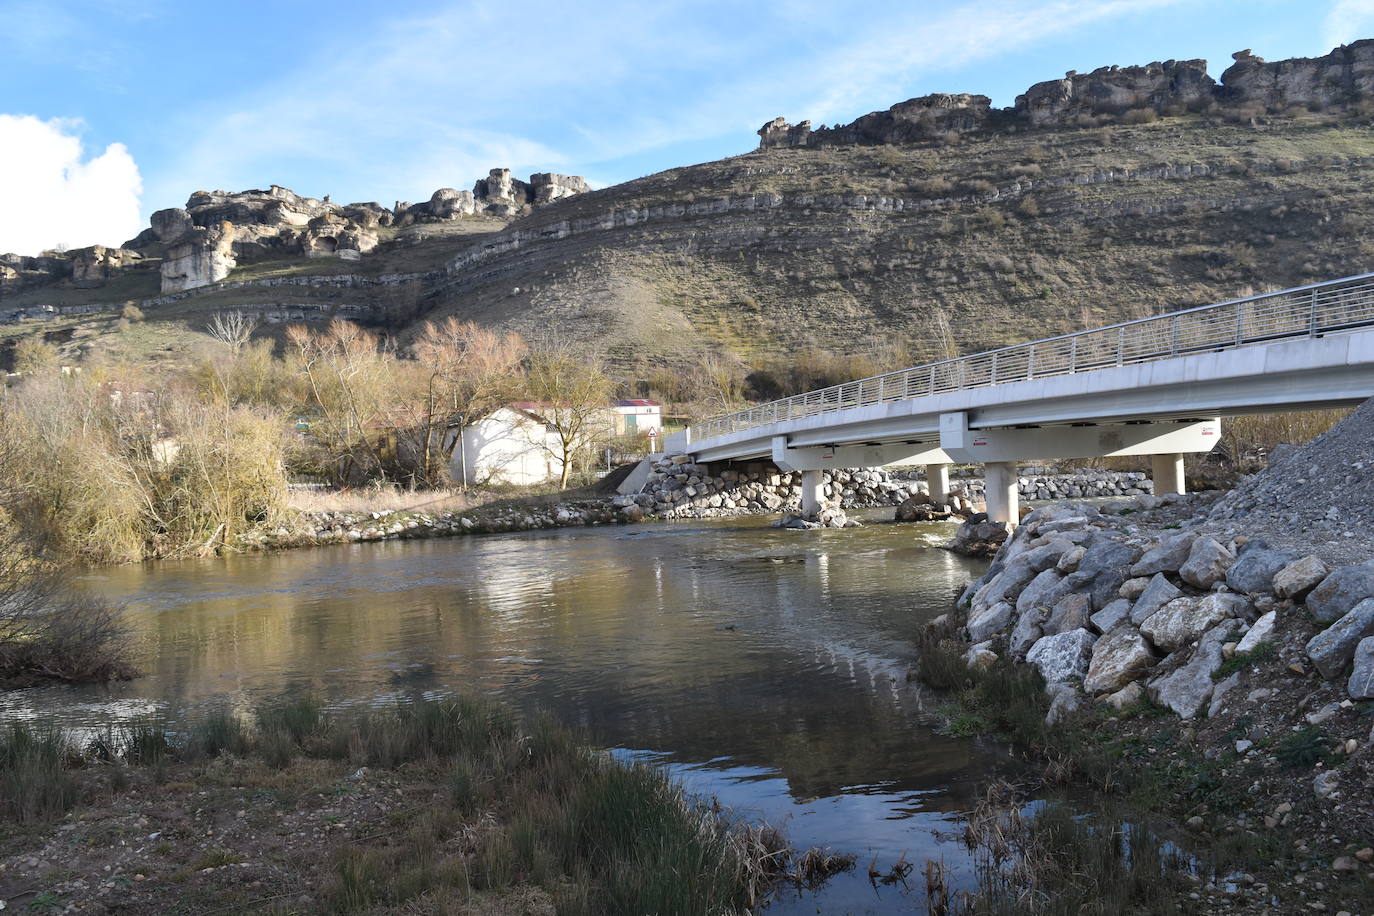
1305,311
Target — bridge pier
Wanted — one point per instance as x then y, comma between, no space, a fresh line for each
1167,473
1000,478
937,482
813,491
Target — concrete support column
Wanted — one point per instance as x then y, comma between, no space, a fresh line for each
813,491
1003,503
1167,473
937,480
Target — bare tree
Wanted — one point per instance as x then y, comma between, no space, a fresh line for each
464,373
233,329
350,377
572,397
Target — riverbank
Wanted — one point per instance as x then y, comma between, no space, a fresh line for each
1183,665
677,489
450,806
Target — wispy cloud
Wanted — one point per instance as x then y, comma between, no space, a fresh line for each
51,195
434,100
1347,21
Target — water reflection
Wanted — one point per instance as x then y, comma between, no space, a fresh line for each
765,667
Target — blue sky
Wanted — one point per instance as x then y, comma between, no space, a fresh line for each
113,109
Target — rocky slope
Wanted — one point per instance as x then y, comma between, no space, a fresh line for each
1156,610
1099,197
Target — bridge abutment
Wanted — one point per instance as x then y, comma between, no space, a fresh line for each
1000,478
1167,472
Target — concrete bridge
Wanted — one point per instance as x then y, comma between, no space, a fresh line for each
1156,386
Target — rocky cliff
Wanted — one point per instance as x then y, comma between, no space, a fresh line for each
1340,81
216,230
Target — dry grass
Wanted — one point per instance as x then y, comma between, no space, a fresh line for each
385,498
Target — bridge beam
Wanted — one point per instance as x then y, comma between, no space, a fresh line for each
821,458
1167,473
980,446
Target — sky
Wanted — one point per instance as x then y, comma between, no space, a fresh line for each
112,109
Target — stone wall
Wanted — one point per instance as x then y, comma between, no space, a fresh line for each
680,488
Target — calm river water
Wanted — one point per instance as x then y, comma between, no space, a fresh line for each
764,667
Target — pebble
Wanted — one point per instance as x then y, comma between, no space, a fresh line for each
1345,863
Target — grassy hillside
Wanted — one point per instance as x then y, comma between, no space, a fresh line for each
1004,236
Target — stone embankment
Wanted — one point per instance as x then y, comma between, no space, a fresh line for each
680,488
1105,610
321,528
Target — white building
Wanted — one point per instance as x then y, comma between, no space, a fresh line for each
512,446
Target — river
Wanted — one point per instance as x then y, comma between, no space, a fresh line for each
767,668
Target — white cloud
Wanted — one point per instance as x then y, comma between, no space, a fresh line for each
50,196
1347,21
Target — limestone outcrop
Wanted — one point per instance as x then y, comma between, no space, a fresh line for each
97,264
1338,80
20,272
916,119
280,222
198,258
499,194
1113,90
1342,79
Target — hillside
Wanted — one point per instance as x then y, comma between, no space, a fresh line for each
1082,206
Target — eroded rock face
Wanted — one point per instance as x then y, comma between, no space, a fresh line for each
923,118
97,264
1111,90
1337,80
198,258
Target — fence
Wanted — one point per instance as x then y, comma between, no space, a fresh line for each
1306,311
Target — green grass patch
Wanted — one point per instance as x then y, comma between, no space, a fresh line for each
1264,650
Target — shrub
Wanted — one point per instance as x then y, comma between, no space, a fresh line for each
1140,116
131,312
35,784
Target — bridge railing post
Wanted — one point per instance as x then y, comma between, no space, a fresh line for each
1312,317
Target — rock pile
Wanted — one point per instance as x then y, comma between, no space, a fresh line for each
1319,496
1103,610
678,487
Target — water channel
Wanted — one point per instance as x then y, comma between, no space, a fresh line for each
765,667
